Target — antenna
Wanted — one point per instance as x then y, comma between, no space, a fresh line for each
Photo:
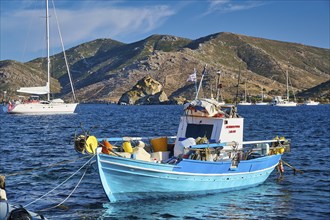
200,83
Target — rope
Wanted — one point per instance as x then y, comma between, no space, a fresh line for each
60,183
68,195
51,165
294,169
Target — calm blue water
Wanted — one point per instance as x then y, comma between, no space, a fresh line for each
29,142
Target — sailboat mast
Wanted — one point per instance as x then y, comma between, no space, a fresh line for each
48,60
218,85
244,91
287,85
238,82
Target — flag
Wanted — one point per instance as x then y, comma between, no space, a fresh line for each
192,77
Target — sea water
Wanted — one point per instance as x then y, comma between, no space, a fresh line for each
32,149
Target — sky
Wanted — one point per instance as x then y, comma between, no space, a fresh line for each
22,22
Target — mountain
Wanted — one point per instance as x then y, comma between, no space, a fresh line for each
320,91
104,69
14,74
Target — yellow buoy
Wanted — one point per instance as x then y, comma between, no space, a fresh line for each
127,147
281,150
91,144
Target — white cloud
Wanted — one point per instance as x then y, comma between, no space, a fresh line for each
111,22
227,6
99,20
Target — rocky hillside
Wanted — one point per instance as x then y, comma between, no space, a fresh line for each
104,69
319,91
14,75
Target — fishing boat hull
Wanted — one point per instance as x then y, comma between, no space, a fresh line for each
42,108
128,179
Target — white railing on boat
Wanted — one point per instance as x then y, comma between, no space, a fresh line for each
133,138
232,143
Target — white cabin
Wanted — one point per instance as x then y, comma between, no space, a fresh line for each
205,118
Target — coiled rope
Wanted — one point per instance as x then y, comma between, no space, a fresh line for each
61,185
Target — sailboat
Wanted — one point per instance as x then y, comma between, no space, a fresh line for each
278,101
36,106
262,99
244,102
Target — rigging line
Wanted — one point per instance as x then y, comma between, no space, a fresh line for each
28,32
70,194
60,183
50,165
64,54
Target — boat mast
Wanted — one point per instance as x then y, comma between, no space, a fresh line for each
48,60
244,91
218,86
239,78
287,85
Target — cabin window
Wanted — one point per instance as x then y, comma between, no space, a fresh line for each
199,130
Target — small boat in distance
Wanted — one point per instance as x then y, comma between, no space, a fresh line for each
278,101
245,99
311,102
207,155
34,105
261,102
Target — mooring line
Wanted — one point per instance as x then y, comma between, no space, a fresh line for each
81,178
60,183
50,165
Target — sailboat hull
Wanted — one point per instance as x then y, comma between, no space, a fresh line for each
286,104
244,103
262,103
128,179
43,108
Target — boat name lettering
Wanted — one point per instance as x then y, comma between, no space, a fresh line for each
233,126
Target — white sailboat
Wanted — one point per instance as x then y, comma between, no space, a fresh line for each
262,99
278,101
245,102
36,106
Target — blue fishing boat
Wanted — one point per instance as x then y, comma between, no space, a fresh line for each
207,155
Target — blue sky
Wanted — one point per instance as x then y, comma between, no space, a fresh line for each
22,22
